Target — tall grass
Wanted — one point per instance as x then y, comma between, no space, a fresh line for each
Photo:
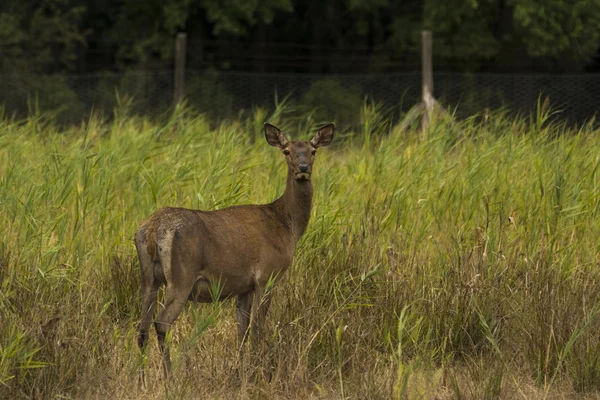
463,265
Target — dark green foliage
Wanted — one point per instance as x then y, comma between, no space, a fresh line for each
333,101
348,36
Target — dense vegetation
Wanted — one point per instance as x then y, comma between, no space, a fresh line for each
462,263
50,36
73,55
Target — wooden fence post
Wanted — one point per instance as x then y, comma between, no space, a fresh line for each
180,48
427,76
429,105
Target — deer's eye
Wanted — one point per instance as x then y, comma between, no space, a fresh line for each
313,152
286,152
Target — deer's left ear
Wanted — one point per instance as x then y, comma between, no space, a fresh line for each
323,137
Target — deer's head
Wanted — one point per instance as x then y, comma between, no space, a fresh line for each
299,154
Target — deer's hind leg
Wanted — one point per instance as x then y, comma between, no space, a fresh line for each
149,291
148,307
180,282
149,295
175,300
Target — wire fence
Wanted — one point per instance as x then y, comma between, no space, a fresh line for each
335,97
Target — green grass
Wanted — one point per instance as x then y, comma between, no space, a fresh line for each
460,265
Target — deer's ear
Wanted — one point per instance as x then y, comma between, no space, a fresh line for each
274,136
323,137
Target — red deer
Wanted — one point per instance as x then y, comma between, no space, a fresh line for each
240,247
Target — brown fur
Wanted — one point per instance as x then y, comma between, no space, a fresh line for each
151,245
241,248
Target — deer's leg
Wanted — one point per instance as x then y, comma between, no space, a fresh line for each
260,308
242,314
149,294
175,299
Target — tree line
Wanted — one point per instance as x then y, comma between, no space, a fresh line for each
343,36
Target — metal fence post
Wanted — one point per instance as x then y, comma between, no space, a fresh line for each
180,48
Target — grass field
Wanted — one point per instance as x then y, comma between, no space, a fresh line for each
460,265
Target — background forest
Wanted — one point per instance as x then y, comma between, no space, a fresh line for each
50,36
72,54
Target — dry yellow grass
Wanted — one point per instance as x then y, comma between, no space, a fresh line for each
460,266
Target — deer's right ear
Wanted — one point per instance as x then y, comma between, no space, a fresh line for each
274,136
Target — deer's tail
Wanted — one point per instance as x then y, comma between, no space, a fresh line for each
152,242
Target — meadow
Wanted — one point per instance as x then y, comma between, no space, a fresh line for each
463,263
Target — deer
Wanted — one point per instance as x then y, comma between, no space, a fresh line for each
241,247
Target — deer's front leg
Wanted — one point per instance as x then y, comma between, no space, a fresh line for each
260,307
242,314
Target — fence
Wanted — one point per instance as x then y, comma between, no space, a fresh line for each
224,94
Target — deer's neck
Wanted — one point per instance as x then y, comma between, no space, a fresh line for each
295,204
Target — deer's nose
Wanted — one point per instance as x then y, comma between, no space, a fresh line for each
303,168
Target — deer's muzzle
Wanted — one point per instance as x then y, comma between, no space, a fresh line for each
303,176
